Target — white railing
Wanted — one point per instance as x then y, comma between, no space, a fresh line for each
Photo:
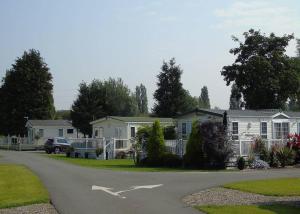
177,146
243,147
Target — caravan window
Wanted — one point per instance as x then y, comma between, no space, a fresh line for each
264,130
281,130
235,130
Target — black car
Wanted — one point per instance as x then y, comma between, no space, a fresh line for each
56,145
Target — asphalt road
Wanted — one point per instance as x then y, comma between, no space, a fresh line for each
70,186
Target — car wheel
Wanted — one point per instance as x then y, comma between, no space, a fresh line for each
57,150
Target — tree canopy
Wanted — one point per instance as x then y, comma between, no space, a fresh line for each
204,101
263,73
171,98
26,92
99,99
141,99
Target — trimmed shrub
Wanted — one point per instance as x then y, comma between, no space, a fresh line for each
241,163
171,160
69,150
86,155
99,151
194,156
121,155
216,147
156,145
285,156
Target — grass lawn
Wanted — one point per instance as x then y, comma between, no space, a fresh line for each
272,187
19,186
114,164
120,165
249,209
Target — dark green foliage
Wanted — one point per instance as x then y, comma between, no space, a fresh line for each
259,148
204,98
99,99
225,121
171,160
170,133
26,91
194,156
241,163
285,156
216,146
141,99
273,161
63,115
156,145
170,96
143,132
235,98
121,155
99,151
262,72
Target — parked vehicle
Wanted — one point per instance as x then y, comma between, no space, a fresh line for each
56,145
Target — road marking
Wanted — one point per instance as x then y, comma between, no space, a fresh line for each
118,193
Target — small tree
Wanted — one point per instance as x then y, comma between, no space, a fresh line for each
156,144
194,156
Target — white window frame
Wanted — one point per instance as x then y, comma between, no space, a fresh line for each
281,128
235,136
264,135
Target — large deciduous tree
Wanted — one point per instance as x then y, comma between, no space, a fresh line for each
171,98
141,99
26,92
204,98
263,73
99,99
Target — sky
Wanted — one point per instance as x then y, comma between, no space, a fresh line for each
82,40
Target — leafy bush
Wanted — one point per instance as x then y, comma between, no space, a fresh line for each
194,156
241,163
69,150
170,133
156,145
259,148
285,156
171,160
121,155
99,151
216,147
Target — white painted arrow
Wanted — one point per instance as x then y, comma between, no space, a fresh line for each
108,190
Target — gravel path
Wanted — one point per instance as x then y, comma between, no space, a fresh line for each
223,196
30,209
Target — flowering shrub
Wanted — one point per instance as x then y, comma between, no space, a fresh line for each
294,143
259,164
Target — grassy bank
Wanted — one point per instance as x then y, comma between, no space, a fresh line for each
271,187
249,209
19,186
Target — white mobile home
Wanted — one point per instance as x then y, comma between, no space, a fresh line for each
40,130
123,128
246,124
